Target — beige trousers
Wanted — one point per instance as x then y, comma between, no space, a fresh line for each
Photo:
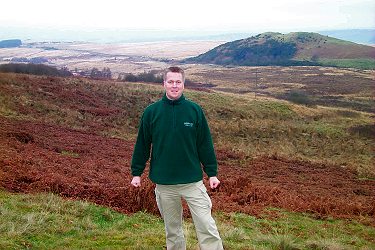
168,198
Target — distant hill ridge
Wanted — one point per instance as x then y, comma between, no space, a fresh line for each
11,43
296,48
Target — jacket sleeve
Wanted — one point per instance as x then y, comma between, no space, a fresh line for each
205,148
142,147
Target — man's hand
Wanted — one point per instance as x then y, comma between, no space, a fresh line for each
136,181
214,182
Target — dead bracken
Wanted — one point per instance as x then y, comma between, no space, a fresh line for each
101,174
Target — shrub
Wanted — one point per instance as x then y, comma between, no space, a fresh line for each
151,76
97,74
299,98
365,130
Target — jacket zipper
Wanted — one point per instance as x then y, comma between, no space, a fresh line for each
173,117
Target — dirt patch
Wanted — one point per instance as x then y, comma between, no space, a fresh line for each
36,157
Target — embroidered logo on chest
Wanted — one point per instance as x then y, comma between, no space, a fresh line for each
188,124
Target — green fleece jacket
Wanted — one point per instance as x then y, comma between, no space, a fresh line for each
178,133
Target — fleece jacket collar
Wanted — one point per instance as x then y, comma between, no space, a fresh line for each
173,102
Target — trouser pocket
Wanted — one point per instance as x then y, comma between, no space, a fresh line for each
205,195
158,201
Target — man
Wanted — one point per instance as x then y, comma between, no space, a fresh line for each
177,130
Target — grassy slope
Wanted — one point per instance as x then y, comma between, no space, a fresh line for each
329,51
238,122
267,126
46,221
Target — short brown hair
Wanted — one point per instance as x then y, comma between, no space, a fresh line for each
174,69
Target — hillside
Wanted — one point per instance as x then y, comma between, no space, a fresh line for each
298,48
75,137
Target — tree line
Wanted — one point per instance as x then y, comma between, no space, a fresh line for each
34,69
101,74
42,69
152,76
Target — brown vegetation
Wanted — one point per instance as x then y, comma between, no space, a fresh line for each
348,88
57,136
37,157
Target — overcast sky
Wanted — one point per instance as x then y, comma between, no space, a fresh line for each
234,15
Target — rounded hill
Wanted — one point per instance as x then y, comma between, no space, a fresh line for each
296,48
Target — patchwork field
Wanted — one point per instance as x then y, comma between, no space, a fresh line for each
120,58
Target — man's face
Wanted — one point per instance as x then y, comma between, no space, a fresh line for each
174,85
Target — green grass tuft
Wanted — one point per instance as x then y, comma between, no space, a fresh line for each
70,153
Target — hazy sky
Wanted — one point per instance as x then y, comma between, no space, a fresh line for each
245,15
